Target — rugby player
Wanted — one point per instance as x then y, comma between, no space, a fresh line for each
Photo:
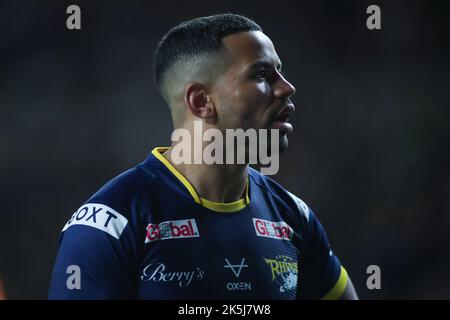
171,230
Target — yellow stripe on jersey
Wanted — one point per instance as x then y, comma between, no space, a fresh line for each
157,152
212,205
224,207
339,288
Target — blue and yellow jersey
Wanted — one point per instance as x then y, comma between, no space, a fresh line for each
147,234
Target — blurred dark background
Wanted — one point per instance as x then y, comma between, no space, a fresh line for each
370,153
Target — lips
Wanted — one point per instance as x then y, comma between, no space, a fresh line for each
282,120
284,127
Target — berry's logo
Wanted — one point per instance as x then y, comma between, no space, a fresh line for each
159,273
177,229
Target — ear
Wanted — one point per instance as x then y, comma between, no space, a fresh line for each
198,102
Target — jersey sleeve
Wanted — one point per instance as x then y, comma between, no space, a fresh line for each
96,256
321,275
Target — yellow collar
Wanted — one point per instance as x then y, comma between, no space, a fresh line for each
212,205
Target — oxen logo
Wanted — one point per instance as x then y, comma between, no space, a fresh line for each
237,269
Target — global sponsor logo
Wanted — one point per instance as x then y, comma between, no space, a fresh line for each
158,272
177,229
284,272
276,230
100,217
237,269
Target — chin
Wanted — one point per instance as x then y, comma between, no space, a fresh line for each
284,143
282,146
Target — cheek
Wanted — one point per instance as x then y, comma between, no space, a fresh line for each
246,106
252,99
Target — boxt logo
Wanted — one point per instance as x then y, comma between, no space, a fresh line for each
276,230
177,229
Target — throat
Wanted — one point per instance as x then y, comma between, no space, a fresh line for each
219,184
216,183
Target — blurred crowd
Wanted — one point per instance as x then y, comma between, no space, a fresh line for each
369,152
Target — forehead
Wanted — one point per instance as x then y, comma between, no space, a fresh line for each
246,48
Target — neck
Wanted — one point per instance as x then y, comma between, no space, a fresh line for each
216,182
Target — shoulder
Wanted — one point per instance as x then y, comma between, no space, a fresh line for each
116,204
124,188
286,198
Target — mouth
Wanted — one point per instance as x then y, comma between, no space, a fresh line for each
282,118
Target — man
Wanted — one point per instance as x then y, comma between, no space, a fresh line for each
175,230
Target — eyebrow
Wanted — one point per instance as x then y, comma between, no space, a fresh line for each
264,64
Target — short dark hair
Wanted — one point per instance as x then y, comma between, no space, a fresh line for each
196,37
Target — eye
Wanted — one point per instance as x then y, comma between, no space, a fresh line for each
261,74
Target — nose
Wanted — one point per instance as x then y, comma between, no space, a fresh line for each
283,88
